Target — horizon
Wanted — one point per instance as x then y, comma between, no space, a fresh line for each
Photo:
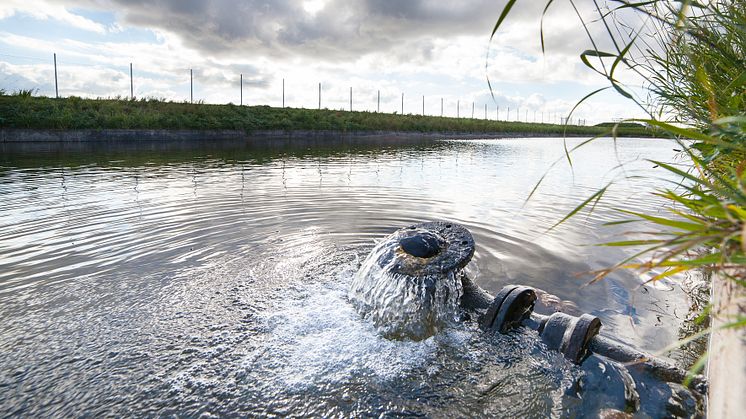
435,50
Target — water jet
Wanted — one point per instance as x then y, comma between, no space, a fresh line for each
412,284
409,286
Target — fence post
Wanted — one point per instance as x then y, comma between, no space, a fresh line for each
132,85
56,88
191,86
240,103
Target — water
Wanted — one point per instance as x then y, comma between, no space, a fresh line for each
407,302
200,279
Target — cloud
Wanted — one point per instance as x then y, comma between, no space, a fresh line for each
43,10
73,80
413,32
333,29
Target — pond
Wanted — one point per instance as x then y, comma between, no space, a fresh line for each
210,279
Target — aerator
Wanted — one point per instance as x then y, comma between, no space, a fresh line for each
422,254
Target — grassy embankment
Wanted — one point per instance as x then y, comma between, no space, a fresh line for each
23,110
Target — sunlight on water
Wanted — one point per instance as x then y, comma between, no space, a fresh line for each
203,279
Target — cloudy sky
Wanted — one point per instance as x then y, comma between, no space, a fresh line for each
431,48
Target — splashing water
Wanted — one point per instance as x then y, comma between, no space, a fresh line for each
403,306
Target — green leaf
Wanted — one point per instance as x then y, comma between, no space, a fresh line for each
503,15
736,324
628,5
730,120
621,91
667,273
573,110
630,243
713,259
665,221
621,55
684,132
596,196
737,82
679,172
613,223
592,53
541,24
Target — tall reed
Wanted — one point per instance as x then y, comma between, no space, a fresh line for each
691,57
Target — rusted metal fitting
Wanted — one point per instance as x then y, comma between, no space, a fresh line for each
570,335
427,249
512,305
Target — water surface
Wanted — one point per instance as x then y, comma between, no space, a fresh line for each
211,279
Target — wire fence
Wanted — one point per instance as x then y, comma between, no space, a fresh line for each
159,85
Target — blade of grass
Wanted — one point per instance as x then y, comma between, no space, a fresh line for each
596,196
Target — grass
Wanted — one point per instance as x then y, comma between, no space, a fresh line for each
692,58
23,110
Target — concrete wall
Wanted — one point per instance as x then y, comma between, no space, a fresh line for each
726,367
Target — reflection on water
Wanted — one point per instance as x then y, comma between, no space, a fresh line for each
204,278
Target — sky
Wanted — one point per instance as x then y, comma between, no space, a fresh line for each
439,50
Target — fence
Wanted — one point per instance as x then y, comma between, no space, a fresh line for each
491,108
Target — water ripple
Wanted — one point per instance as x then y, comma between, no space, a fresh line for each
211,280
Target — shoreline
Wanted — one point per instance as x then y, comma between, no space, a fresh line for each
30,135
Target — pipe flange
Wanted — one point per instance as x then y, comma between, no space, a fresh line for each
570,335
432,248
488,318
586,327
511,306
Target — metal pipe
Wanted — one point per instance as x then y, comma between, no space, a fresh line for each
657,367
430,250
476,299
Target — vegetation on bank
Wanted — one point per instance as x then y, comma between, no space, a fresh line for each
23,110
692,58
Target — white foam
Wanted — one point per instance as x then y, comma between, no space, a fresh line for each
322,338
402,306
